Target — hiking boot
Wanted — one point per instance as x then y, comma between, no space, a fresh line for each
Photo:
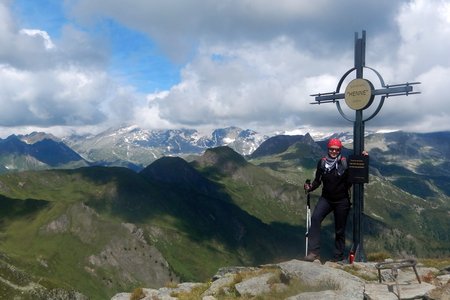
311,257
338,258
340,261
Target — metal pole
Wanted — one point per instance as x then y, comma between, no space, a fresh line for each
358,192
358,147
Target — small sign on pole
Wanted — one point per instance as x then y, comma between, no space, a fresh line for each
358,168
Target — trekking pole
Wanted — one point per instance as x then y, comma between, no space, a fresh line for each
308,217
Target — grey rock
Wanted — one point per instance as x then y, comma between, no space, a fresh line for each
255,286
443,279
393,291
219,284
347,286
374,291
415,290
446,270
166,293
122,296
318,295
441,292
335,278
232,270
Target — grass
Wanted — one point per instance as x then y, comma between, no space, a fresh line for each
378,256
194,250
194,259
137,294
194,294
438,263
59,258
352,269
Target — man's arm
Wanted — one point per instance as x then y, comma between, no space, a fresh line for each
309,187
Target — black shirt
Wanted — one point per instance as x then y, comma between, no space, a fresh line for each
335,187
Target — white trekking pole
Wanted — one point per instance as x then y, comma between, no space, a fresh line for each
308,217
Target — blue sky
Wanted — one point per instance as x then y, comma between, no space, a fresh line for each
134,57
84,66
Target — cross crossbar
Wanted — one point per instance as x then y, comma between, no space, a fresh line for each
389,91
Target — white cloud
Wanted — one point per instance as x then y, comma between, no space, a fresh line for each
48,44
51,97
250,63
425,36
252,83
263,82
47,83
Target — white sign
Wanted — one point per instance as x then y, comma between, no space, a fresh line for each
358,94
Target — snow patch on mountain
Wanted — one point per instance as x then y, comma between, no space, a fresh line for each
142,146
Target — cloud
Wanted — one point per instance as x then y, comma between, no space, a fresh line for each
265,82
51,97
251,84
179,26
249,63
424,28
48,43
46,82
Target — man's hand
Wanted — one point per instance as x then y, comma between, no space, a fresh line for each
307,186
365,153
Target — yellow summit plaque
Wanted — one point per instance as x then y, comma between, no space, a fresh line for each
358,94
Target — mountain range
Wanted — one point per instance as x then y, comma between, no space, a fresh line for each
130,147
139,147
99,228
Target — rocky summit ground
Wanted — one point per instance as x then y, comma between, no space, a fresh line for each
299,280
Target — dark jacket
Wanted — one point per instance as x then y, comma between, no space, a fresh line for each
335,187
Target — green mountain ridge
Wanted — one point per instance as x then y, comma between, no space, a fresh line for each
103,230
174,220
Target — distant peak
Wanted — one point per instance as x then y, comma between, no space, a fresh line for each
222,158
35,137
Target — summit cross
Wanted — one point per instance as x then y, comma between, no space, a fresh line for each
359,95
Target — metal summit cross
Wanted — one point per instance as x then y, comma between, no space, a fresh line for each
359,95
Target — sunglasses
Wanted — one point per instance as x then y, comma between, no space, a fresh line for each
334,150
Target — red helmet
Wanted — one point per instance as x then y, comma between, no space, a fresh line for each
334,143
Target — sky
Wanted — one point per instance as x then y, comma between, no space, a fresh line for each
82,66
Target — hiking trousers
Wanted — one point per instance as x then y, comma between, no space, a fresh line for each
340,211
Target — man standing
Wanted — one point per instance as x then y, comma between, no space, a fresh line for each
332,171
